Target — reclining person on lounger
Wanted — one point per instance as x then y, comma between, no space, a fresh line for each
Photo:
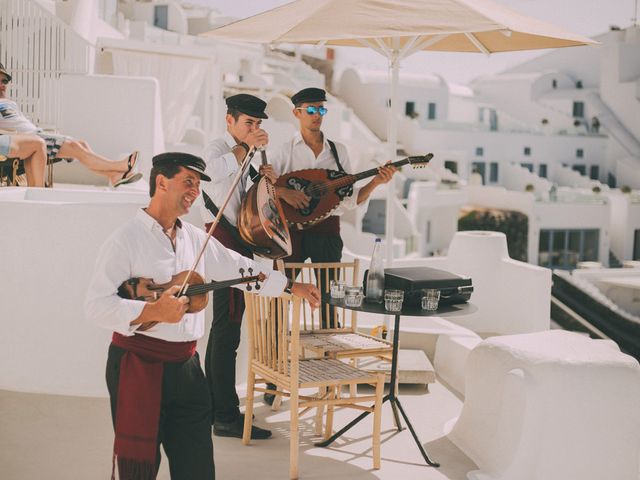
30,149
13,121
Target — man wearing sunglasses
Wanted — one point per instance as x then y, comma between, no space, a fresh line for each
30,142
310,148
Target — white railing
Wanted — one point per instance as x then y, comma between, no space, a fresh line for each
37,48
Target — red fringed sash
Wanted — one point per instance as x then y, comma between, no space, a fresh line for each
139,398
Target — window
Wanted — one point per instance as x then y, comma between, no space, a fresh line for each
493,172
542,170
580,168
493,120
554,83
565,248
636,245
479,151
428,233
578,109
409,109
594,172
580,153
431,113
611,180
527,151
161,16
528,166
451,165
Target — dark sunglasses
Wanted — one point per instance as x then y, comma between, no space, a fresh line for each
312,110
5,81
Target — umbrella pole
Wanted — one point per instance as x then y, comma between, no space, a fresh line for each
392,140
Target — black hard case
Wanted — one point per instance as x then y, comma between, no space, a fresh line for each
453,288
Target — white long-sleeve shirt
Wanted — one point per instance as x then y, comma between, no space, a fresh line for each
222,167
297,155
140,248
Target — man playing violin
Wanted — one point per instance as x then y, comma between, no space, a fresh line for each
223,157
158,392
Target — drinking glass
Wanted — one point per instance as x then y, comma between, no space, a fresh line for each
430,299
337,288
393,300
353,296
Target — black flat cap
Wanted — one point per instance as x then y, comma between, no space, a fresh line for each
2,70
182,159
309,95
247,104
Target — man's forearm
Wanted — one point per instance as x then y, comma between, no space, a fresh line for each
365,192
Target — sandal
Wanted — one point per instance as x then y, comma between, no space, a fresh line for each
131,162
130,179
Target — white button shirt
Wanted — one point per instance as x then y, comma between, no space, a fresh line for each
297,155
222,167
140,248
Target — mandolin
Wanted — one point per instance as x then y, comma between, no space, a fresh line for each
146,290
326,189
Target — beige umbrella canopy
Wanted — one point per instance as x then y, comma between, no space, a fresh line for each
397,29
438,25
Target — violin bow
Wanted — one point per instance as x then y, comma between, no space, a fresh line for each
243,168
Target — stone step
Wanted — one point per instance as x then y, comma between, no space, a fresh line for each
413,367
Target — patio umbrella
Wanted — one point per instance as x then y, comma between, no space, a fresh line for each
397,29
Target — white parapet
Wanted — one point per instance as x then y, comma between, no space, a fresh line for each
552,405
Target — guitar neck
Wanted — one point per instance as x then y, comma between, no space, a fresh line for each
374,171
349,179
207,287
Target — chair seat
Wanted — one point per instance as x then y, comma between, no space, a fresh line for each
340,343
329,371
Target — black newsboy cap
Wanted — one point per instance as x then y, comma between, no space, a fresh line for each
182,159
247,104
309,95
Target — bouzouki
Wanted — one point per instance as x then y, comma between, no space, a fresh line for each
326,189
261,221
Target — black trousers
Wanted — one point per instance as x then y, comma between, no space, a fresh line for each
185,416
319,247
220,359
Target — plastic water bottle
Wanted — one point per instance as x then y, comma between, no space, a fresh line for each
375,276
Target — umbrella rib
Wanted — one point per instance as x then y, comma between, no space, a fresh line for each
379,47
473,39
425,43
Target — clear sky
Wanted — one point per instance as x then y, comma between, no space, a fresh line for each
586,17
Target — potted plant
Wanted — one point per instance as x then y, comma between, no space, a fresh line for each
625,189
529,187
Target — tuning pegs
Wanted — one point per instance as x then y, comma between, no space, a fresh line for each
250,271
249,288
257,285
241,272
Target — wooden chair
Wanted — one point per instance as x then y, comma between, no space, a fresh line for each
339,338
275,357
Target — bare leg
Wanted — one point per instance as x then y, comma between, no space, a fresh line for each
80,150
33,151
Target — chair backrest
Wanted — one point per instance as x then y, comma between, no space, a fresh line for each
273,339
320,274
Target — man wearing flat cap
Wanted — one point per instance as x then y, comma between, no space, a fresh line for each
223,157
310,148
158,392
